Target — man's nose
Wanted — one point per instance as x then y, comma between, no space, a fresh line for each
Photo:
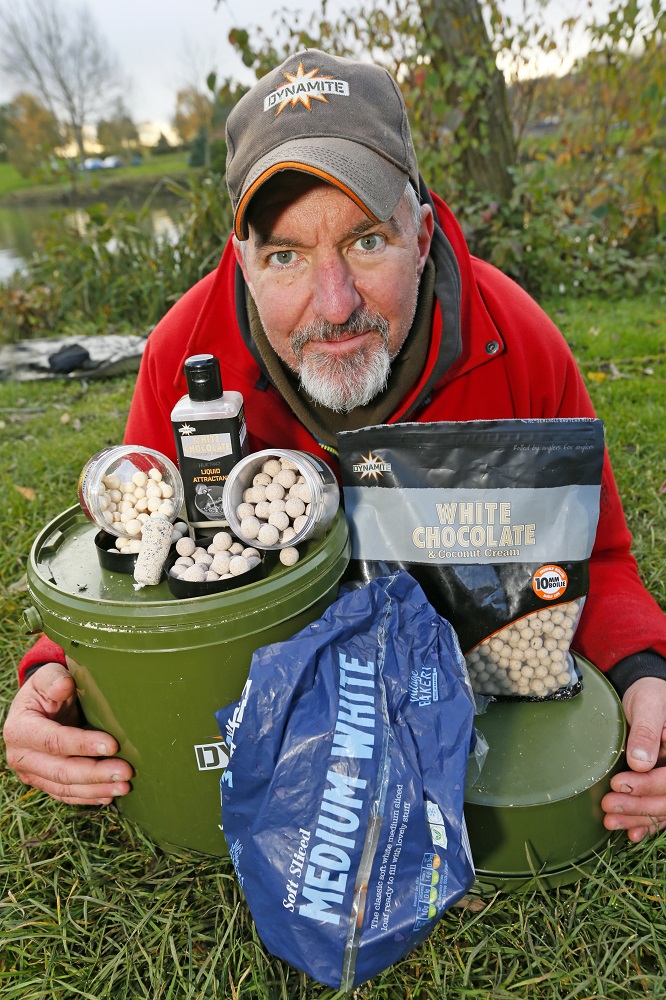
334,295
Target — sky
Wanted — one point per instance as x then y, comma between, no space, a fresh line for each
163,45
175,42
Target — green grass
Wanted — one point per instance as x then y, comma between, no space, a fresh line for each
20,190
156,166
11,180
90,908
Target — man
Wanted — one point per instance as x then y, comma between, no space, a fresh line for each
347,297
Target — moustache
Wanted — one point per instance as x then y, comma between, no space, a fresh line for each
361,321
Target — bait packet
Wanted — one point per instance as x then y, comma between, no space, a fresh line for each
343,798
496,519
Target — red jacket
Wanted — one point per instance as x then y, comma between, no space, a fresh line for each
511,362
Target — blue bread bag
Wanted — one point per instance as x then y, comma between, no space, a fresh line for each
343,800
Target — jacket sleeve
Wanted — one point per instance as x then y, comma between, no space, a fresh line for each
620,618
43,651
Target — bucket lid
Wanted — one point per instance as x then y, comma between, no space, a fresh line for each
89,604
535,808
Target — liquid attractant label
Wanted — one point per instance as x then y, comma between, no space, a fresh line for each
211,437
207,450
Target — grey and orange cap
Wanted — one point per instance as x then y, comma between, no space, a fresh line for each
341,121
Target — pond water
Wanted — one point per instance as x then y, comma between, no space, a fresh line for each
18,227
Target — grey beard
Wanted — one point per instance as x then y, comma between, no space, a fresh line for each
343,383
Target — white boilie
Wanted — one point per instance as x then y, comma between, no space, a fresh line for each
127,506
274,508
289,556
224,559
528,657
132,546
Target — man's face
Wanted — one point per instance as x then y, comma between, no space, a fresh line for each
336,292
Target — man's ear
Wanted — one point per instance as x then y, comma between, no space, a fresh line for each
240,258
426,230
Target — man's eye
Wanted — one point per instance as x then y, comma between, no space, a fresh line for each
283,257
371,242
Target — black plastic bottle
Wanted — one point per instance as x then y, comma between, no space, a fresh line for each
210,434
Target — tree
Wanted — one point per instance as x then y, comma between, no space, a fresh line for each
162,146
4,131
118,132
32,134
463,62
56,52
201,117
193,112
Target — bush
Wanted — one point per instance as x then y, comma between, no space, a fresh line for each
551,246
116,270
27,311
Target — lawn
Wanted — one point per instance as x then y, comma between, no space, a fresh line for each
11,180
90,908
18,190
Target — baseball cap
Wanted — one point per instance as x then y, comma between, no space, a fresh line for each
340,120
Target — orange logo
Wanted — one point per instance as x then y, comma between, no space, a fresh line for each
549,582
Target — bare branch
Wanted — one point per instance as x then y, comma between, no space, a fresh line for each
57,52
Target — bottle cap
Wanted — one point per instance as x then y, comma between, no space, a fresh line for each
204,381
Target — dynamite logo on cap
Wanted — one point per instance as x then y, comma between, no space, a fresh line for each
304,87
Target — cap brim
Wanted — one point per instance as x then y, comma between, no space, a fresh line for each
371,181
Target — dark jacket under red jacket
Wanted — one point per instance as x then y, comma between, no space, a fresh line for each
493,354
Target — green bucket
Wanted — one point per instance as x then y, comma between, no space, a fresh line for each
152,669
535,809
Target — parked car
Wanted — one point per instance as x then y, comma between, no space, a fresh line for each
112,162
92,163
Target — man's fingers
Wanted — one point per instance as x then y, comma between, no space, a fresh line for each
49,693
30,731
75,771
644,704
637,803
79,795
644,743
637,826
49,751
61,762
82,795
76,780
52,686
631,807
639,784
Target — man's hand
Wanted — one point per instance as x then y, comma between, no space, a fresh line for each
47,749
637,803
